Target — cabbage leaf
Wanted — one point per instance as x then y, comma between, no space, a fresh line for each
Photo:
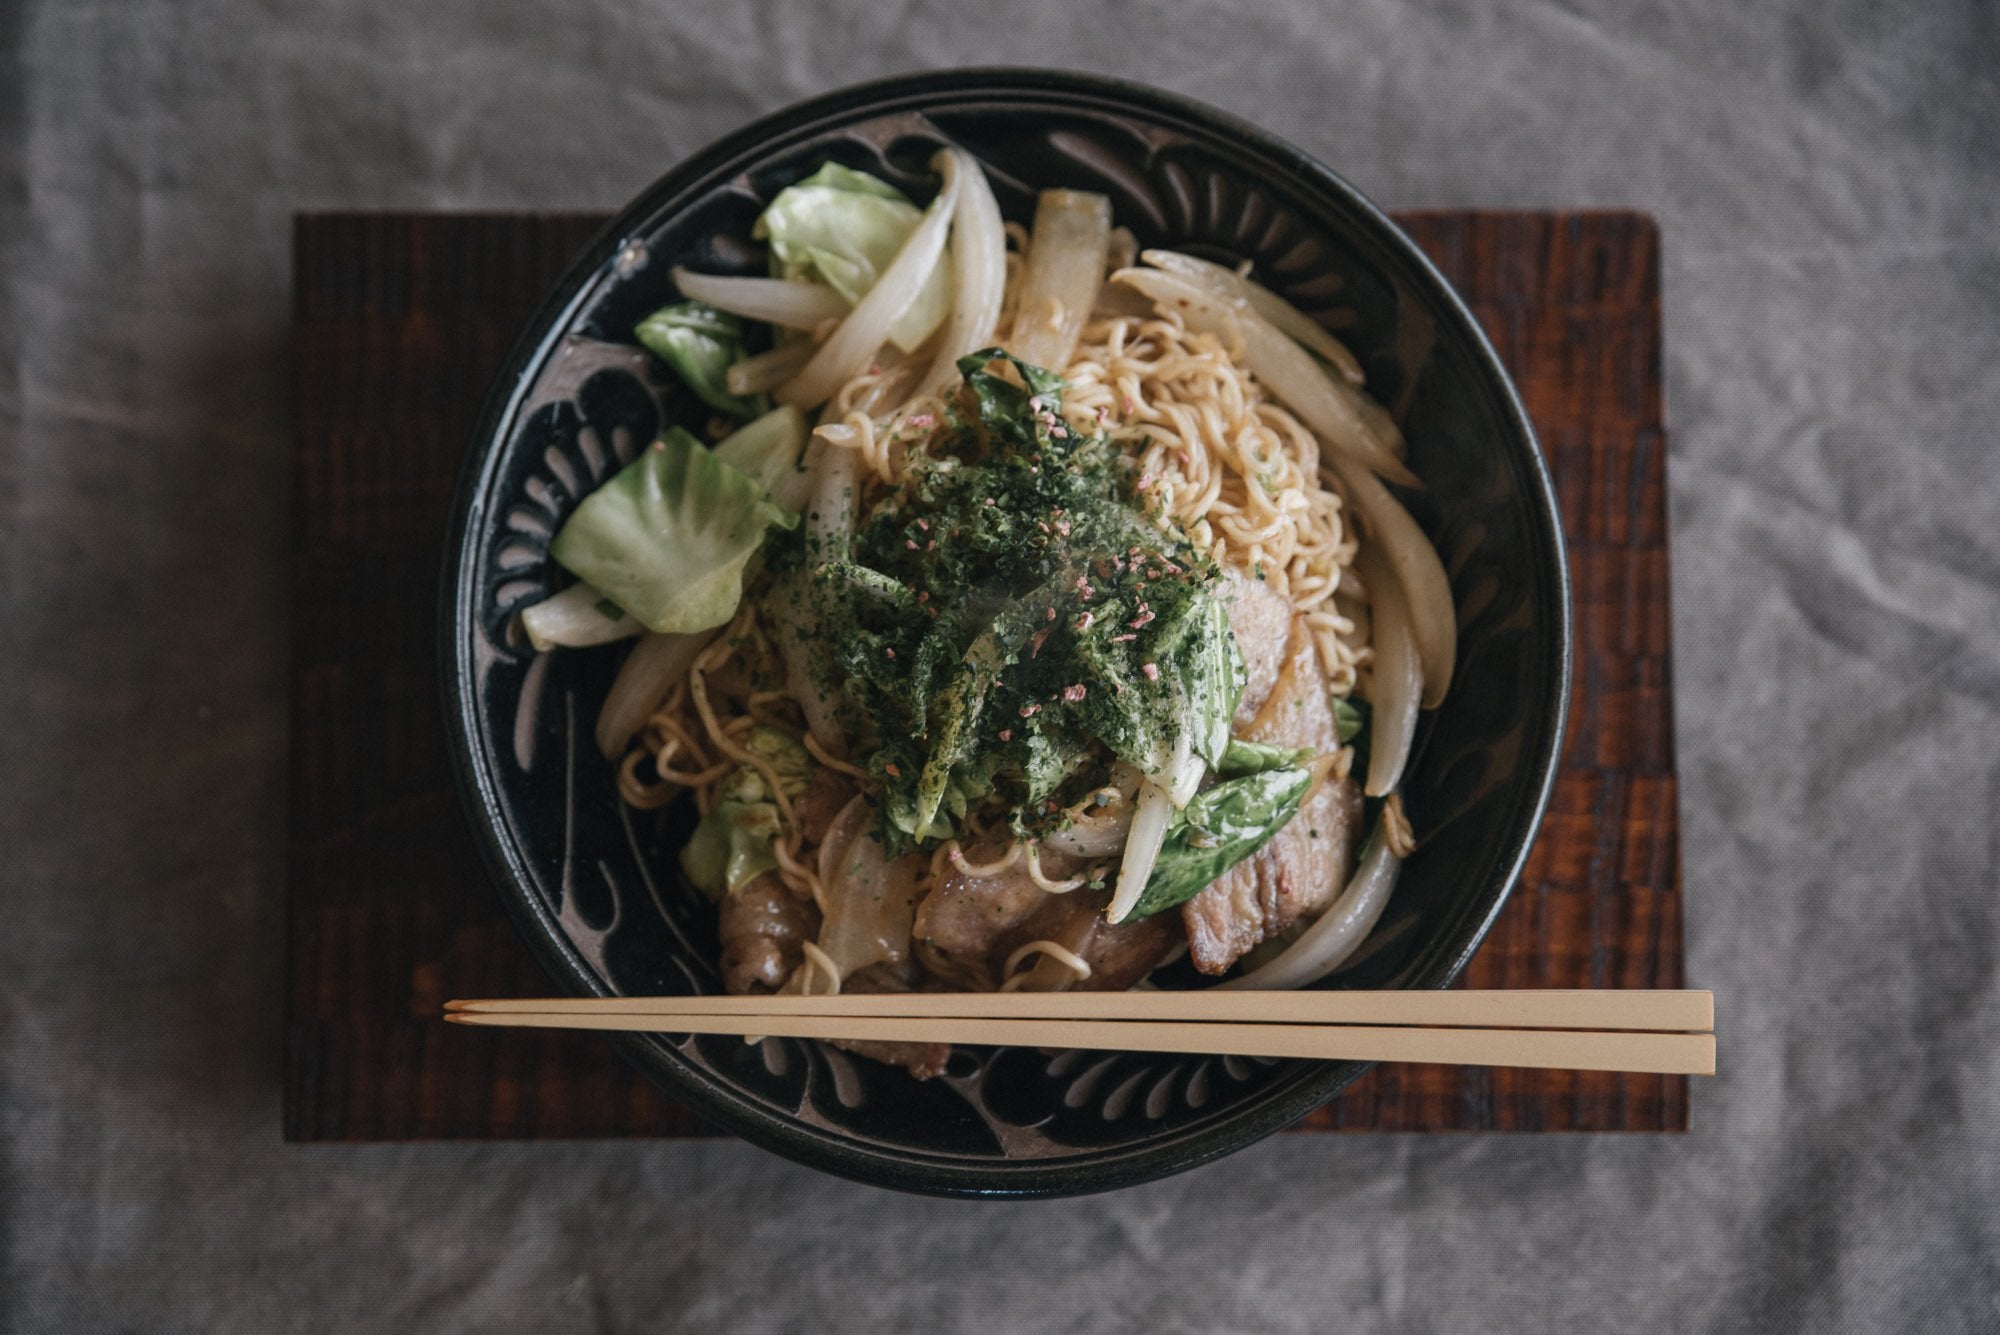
842,228
668,538
701,343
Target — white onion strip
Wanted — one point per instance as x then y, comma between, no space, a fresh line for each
779,301
1397,677
847,349
645,678
979,276
1282,366
1337,933
1289,319
1100,837
1426,592
574,619
767,370
1150,818
1062,276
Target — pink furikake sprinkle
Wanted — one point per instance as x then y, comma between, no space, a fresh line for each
1057,433
890,652
1145,482
921,420
1145,615
910,543
1083,622
1123,639
1035,642
1006,734
990,501
924,524
1152,671
1052,614
923,597
1083,586
1029,711
891,770
1072,694
1062,527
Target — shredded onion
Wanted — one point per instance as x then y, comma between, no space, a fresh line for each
1289,319
644,680
767,370
979,276
847,349
870,902
1064,271
778,301
574,618
1142,849
1398,682
1284,368
1326,945
1426,592
1085,838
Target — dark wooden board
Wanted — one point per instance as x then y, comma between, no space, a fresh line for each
400,322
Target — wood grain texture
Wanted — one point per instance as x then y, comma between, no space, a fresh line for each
400,323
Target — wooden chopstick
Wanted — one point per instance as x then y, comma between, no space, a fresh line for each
1605,1009
1562,1049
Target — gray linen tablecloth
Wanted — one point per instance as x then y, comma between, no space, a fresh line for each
1828,182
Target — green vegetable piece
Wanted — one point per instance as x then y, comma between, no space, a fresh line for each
842,228
732,845
701,343
669,536
784,754
1215,676
770,449
872,585
1218,829
958,707
963,700
1241,758
1349,718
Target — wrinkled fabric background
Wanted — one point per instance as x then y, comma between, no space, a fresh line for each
1828,180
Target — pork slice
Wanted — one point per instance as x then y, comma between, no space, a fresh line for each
967,925
1118,956
922,1060
1300,871
827,793
762,925
1261,620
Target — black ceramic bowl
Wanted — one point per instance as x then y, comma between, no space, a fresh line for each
595,887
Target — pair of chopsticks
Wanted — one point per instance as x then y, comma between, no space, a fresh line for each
1668,1032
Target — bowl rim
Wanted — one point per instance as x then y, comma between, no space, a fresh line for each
1106,1168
